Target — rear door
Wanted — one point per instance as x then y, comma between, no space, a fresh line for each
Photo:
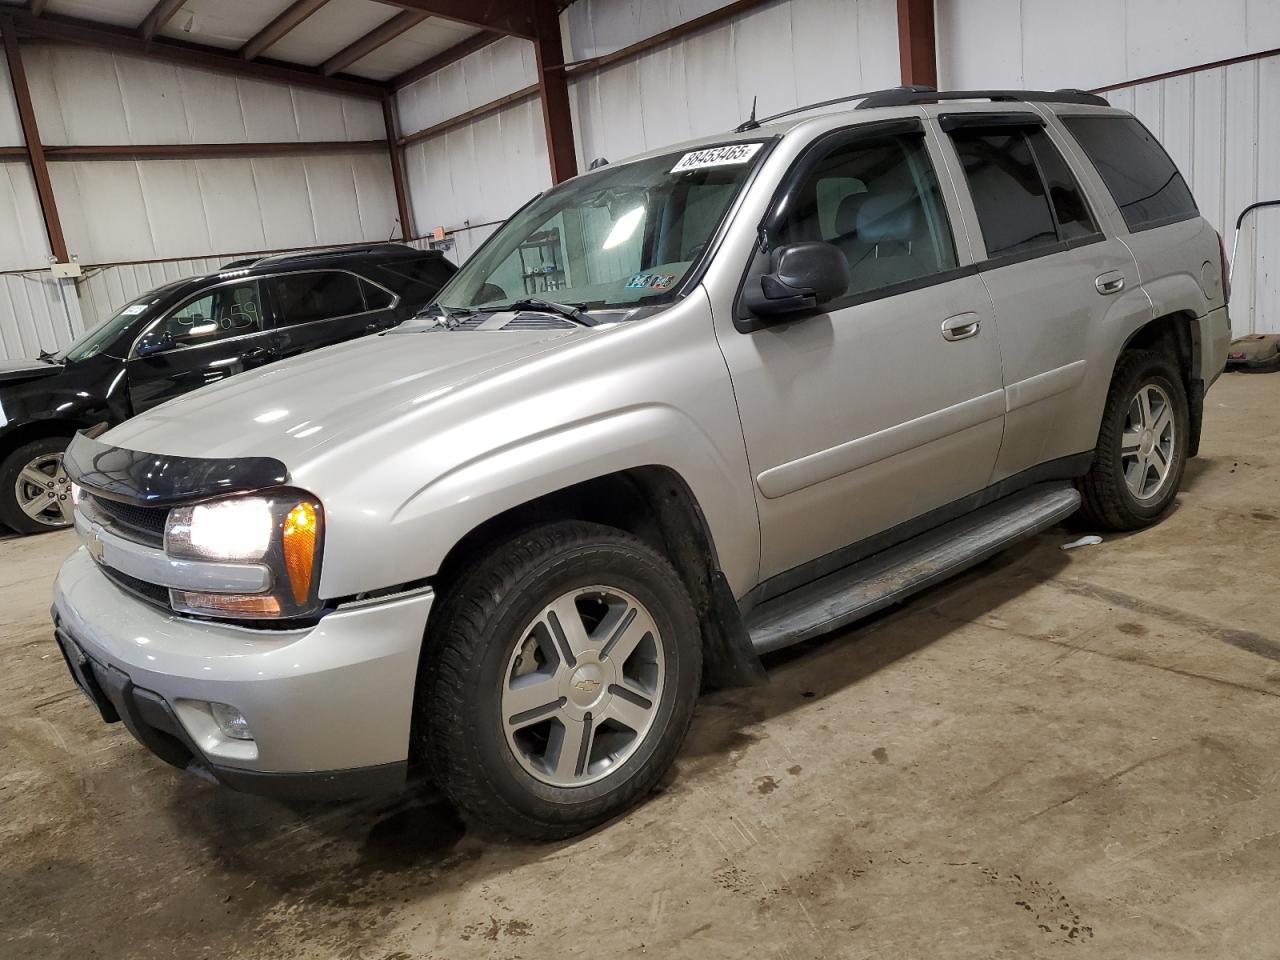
888,405
218,332
316,308
1054,278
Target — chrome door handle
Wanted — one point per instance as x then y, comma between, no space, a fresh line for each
960,327
1109,283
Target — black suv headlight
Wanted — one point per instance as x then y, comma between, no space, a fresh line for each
283,530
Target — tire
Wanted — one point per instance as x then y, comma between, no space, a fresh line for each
16,488
1110,499
495,641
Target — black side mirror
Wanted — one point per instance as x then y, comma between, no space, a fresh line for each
802,277
154,343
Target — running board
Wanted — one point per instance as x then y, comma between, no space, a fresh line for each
849,594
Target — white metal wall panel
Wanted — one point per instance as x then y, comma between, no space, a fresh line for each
122,210
479,78
85,96
10,124
36,313
1045,44
784,53
23,242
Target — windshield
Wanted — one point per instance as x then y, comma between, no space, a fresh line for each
617,237
104,334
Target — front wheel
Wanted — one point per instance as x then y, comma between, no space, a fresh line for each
35,492
1142,445
559,680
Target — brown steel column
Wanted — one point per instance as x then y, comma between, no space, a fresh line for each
397,168
31,135
917,45
553,89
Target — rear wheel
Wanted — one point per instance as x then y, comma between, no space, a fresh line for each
559,680
35,492
1142,445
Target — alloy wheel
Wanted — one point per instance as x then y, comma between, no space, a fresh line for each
583,686
1148,443
43,491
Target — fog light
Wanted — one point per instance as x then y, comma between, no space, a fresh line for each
231,721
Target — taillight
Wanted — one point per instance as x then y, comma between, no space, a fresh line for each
1226,271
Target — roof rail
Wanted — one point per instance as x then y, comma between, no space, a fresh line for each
388,247
753,123
906,96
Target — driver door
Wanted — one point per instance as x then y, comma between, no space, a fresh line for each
218,332
889,404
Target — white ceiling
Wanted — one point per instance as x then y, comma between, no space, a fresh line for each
336,25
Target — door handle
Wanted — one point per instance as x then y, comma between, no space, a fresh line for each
254,354
1109,283
960,327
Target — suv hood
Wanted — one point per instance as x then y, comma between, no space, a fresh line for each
289,409
15,371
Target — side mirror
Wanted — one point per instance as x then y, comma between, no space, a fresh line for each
802,277
154,343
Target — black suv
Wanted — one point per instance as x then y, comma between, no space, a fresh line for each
185,335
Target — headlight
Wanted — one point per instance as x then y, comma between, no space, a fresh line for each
282,530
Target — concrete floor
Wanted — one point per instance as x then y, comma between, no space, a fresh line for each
1057,754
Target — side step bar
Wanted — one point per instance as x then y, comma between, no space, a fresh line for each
862,588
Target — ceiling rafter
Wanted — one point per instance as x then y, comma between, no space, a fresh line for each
382,34
89,33
161,13
511,17
290,18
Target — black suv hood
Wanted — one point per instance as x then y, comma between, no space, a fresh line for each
15,371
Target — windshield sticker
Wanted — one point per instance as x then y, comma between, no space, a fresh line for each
133,311
651,281
728,155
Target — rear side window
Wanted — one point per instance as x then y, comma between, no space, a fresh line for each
1027,200
1143,181
317,295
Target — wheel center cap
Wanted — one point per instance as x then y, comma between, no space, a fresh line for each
1148,441
586,685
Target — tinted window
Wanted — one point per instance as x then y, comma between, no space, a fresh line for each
232,310
878,202
1143,181
420,278
1008,193
1069,207
376,298
317,295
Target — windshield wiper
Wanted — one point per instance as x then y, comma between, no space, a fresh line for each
48,357
566,310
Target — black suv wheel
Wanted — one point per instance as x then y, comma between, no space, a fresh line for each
35,492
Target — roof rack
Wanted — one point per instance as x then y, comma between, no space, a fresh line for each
753,123
906,96
387,247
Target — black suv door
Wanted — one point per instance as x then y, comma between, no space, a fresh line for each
222,330
315,308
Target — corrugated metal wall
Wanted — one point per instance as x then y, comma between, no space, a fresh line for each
1221,126
786,53
114,211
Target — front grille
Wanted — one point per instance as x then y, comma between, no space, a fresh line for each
144,524
150,592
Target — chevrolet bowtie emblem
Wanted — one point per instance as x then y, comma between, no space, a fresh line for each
586,685
93,543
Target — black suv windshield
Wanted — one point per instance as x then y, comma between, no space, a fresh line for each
104,334
616,237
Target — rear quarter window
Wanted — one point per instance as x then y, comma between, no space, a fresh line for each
1143,181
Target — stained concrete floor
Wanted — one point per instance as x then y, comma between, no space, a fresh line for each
1057,754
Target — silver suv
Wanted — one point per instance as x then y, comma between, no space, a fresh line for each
679,411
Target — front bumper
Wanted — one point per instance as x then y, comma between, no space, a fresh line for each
329,706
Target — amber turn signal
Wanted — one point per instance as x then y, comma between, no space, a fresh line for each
301,535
